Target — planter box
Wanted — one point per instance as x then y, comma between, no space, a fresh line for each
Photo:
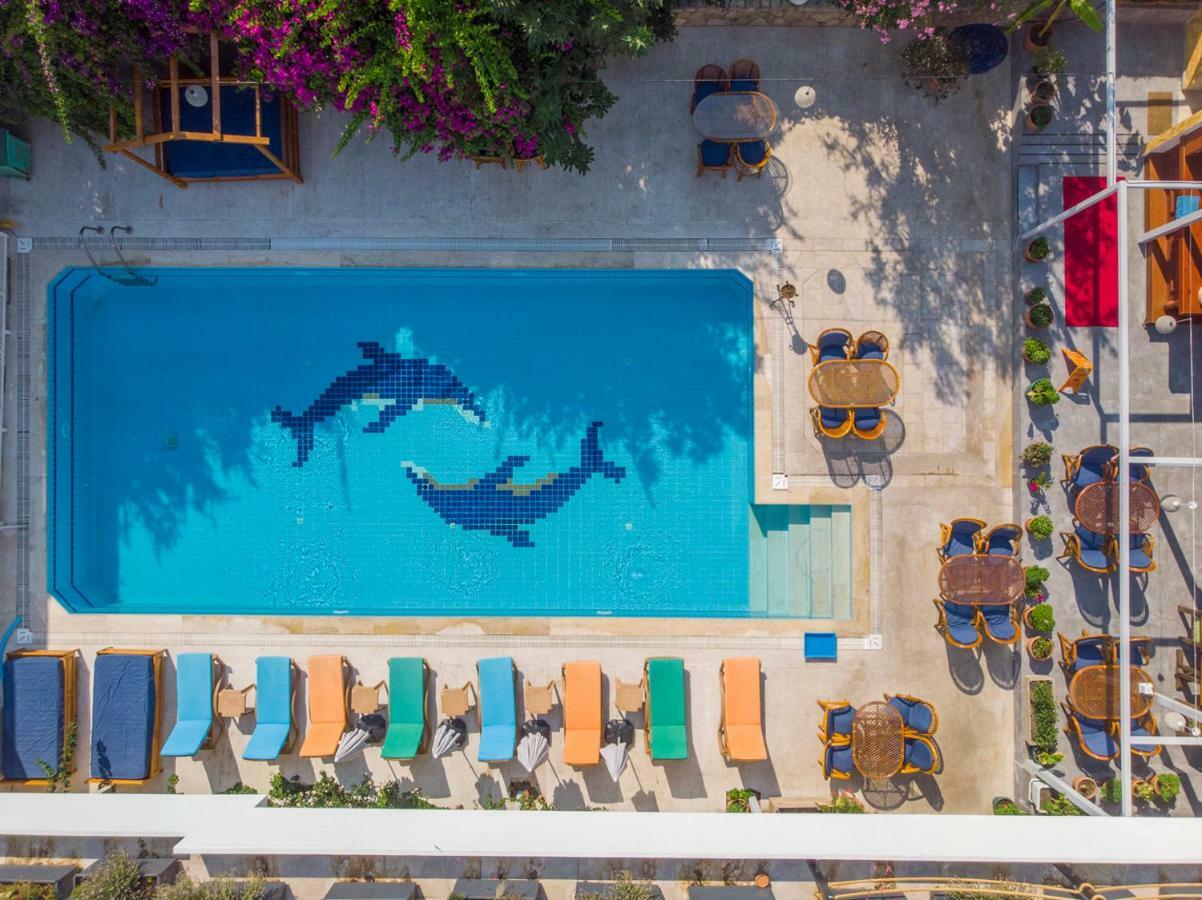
1028,682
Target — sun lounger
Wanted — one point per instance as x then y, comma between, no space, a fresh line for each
127,710
582,713
39,705
196,676
329,693
275,696
741,736
667,734
408,681
498,709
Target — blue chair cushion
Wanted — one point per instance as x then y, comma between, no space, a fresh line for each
867,418
714,153
956,546
838,721
839,759
705,89
744,84
186,737
124,699
273,708
870,351
1097,739
961,623
997,621
917,716
752,152
1090,653
918,754
194,704
267,741
1090,540
498,709
33,715
1095,558
832,418
1140,559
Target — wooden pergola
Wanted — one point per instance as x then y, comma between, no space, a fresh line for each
268,127
1174,223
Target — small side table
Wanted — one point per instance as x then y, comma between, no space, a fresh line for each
538,700
365,699
628,697
456,701
232,704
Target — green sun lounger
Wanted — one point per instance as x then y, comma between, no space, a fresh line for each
667,734
407,680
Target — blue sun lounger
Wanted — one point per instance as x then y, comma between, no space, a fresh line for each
127,709
498,709
195,700
39,704
275,694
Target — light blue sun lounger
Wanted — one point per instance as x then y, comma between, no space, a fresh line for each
275,684
195,699
498,709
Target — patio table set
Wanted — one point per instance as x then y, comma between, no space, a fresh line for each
879,739
1091,478
850,382
981,580
734,119
1093,712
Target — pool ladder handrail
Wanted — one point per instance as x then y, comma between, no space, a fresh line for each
130,278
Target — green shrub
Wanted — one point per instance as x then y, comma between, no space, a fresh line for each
1168,786
1042,618
1143,791
738,800
1048,61
1035,295
1041,315
1046,759
239,788
328,793
1040,482
1039,248
1042,393
1037,454
1111,791
1035,577
624,888
1040,528
1036,351
28,891
58,779
1059,805
218,889
1044,714
1005,807
116,878
843,803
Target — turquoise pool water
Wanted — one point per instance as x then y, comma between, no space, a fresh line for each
403,442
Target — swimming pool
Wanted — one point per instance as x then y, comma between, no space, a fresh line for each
401,442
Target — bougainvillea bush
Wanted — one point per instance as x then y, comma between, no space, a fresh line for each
511,78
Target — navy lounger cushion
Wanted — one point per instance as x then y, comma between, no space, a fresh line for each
123,700
33,715
209,159
714,153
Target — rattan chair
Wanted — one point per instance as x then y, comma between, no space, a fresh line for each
868,422
956,631
1145,727
872,345
1087,650
751,157
833,714
1138,471
709,79
830,344
1142,545
1090,560
959,538
1088,466
1001,540
837,762
1093,737
915,745
713,156
825,417
1000,624
744,75
912,704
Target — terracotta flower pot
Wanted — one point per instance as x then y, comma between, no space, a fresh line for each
1086,787
1031,647
1033,39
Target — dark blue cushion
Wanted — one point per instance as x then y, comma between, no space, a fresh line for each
998,622
123,705
1097,739
1095,558
705,89
33,715
919,755
1001,541
744,84
1090,653
867,418
917,716
832,418
210,159
839,759
838,721
714,153
752,152
1090,540
1140,559
869,351
956,546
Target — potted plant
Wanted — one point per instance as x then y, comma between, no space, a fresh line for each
1037,36
1039,316
842,803
1085,786
1039,528
1035,576
1040,702
1004,806
1040,617
1043,90
1040,116
1040,648
738,800
1036,352
1047,759
1048,61
1168,786
1142,790
1042,393
1037,454
1059,805
1038,249
1040,483
1035,295
936,65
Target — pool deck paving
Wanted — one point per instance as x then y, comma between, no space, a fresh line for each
892,214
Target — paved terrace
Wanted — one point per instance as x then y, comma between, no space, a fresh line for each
892,214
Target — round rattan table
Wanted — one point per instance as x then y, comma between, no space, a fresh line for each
1094,692
854,382
982,580
877,745
732,116
1097,507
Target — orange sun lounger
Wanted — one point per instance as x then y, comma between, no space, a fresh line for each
328,688
581,713
741,736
